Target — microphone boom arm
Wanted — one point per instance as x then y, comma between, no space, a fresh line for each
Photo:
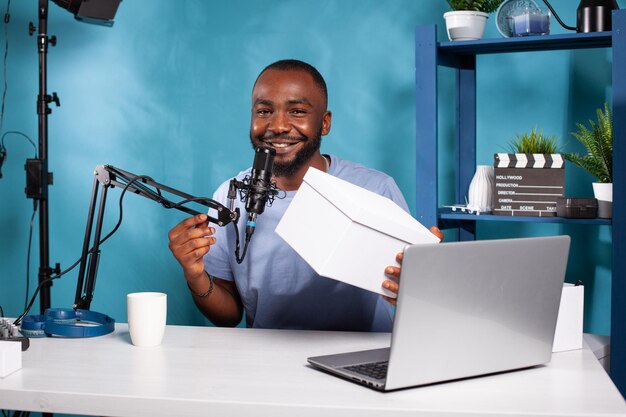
106,176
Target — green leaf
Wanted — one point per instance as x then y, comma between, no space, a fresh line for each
486,6
598,141
534,142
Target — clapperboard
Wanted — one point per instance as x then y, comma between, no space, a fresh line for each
527,184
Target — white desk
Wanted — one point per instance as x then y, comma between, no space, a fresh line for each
202,371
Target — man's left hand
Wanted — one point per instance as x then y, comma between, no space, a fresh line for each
393,272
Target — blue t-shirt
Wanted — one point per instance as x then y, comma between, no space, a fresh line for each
279,290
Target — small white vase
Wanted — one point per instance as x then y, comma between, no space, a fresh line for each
465,25
603,192
480,194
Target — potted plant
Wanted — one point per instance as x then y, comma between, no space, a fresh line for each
534,142
530,177
467,19
598,161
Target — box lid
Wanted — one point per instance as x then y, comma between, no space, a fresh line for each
368,208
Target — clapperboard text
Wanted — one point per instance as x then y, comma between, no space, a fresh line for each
527,184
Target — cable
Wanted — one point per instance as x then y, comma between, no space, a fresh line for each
7,18
119,221
3,149
3,154
245,245
557,17
45,281
30,240
15,132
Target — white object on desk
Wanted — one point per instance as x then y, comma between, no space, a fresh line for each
569,324
346,232
200,371
10,358
147,315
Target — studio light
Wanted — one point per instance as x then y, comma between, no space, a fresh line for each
99,12
591,15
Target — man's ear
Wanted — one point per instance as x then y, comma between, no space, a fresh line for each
326,122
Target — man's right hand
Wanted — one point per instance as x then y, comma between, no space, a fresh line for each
190,240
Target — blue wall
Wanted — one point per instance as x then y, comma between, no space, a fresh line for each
165,92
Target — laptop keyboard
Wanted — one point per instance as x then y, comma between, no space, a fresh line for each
376,370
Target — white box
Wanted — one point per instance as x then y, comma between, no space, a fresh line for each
569,324
346,232
10,357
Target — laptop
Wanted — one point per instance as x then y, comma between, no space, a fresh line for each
465,309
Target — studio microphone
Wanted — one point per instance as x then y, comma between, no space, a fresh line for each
257,190
260,187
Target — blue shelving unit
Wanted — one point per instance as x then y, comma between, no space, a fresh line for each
455,219
461,56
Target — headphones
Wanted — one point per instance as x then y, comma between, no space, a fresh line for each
67,322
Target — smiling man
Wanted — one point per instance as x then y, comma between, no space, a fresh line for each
273,285
289,113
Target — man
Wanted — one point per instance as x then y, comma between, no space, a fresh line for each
274,285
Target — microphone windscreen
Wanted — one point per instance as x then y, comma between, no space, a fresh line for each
264,159
260,181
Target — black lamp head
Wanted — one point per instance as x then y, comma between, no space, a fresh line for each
99,12
595,15
591,15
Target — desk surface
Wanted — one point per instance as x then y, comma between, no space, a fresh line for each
200,371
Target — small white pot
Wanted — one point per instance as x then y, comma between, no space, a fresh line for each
604,193
465,25
480,193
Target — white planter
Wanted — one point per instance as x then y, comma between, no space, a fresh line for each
480,193
604,193
465,25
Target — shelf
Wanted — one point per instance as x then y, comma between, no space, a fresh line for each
528,43
448,215
462,58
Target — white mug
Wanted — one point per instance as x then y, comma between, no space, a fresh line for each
147,313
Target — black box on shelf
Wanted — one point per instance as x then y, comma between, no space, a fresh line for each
577,208
527,184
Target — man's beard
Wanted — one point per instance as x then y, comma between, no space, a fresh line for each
289,168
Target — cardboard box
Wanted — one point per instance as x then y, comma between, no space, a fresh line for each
346,232
569,324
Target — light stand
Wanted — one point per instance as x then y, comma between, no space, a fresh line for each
38,178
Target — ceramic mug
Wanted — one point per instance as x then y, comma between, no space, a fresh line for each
147,313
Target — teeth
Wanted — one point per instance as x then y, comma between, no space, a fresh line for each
281,145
